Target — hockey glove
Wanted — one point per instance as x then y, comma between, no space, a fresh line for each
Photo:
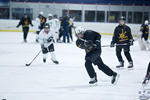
97,44
112,44
50,39
89,46
88,43
131,42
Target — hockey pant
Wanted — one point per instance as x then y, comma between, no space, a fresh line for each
145,36
25,32
96,60
126,49
51,50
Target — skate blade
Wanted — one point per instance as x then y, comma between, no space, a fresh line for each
131,68
93,85
121,68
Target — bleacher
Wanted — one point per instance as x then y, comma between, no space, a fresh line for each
105,2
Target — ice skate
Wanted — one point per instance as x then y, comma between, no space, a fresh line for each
130,65
44,60
55,61
121,65
93,80
53,58
146,80
115,78
25,41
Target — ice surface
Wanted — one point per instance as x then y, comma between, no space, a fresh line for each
68,80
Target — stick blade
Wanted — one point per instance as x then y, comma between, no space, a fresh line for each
27,64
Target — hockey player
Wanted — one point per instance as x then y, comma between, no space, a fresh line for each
46,41
143,40
40,21
50,21
60,30
90,41
147,76
25,21
123,39
56,27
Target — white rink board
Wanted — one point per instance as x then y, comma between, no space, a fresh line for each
99,27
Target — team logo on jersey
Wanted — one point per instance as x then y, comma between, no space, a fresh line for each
123,36
26,22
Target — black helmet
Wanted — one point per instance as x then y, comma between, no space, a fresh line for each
46,25
122,18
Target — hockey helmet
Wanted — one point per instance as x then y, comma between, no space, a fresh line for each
146,22
41,13
122,18
55,16
46,25
50,15
79,30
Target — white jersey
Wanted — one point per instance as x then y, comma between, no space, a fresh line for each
56,24
51,24
43,37
37,24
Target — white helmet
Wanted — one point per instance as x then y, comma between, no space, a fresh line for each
146,22
79,29
41,13
50,15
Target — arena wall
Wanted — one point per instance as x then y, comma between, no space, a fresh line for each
103,28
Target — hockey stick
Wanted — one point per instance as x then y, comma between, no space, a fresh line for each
115,45
33,58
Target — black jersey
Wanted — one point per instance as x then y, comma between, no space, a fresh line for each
122,34
42,22
25,22
145,29
90,35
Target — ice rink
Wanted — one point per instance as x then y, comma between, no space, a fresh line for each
68,80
